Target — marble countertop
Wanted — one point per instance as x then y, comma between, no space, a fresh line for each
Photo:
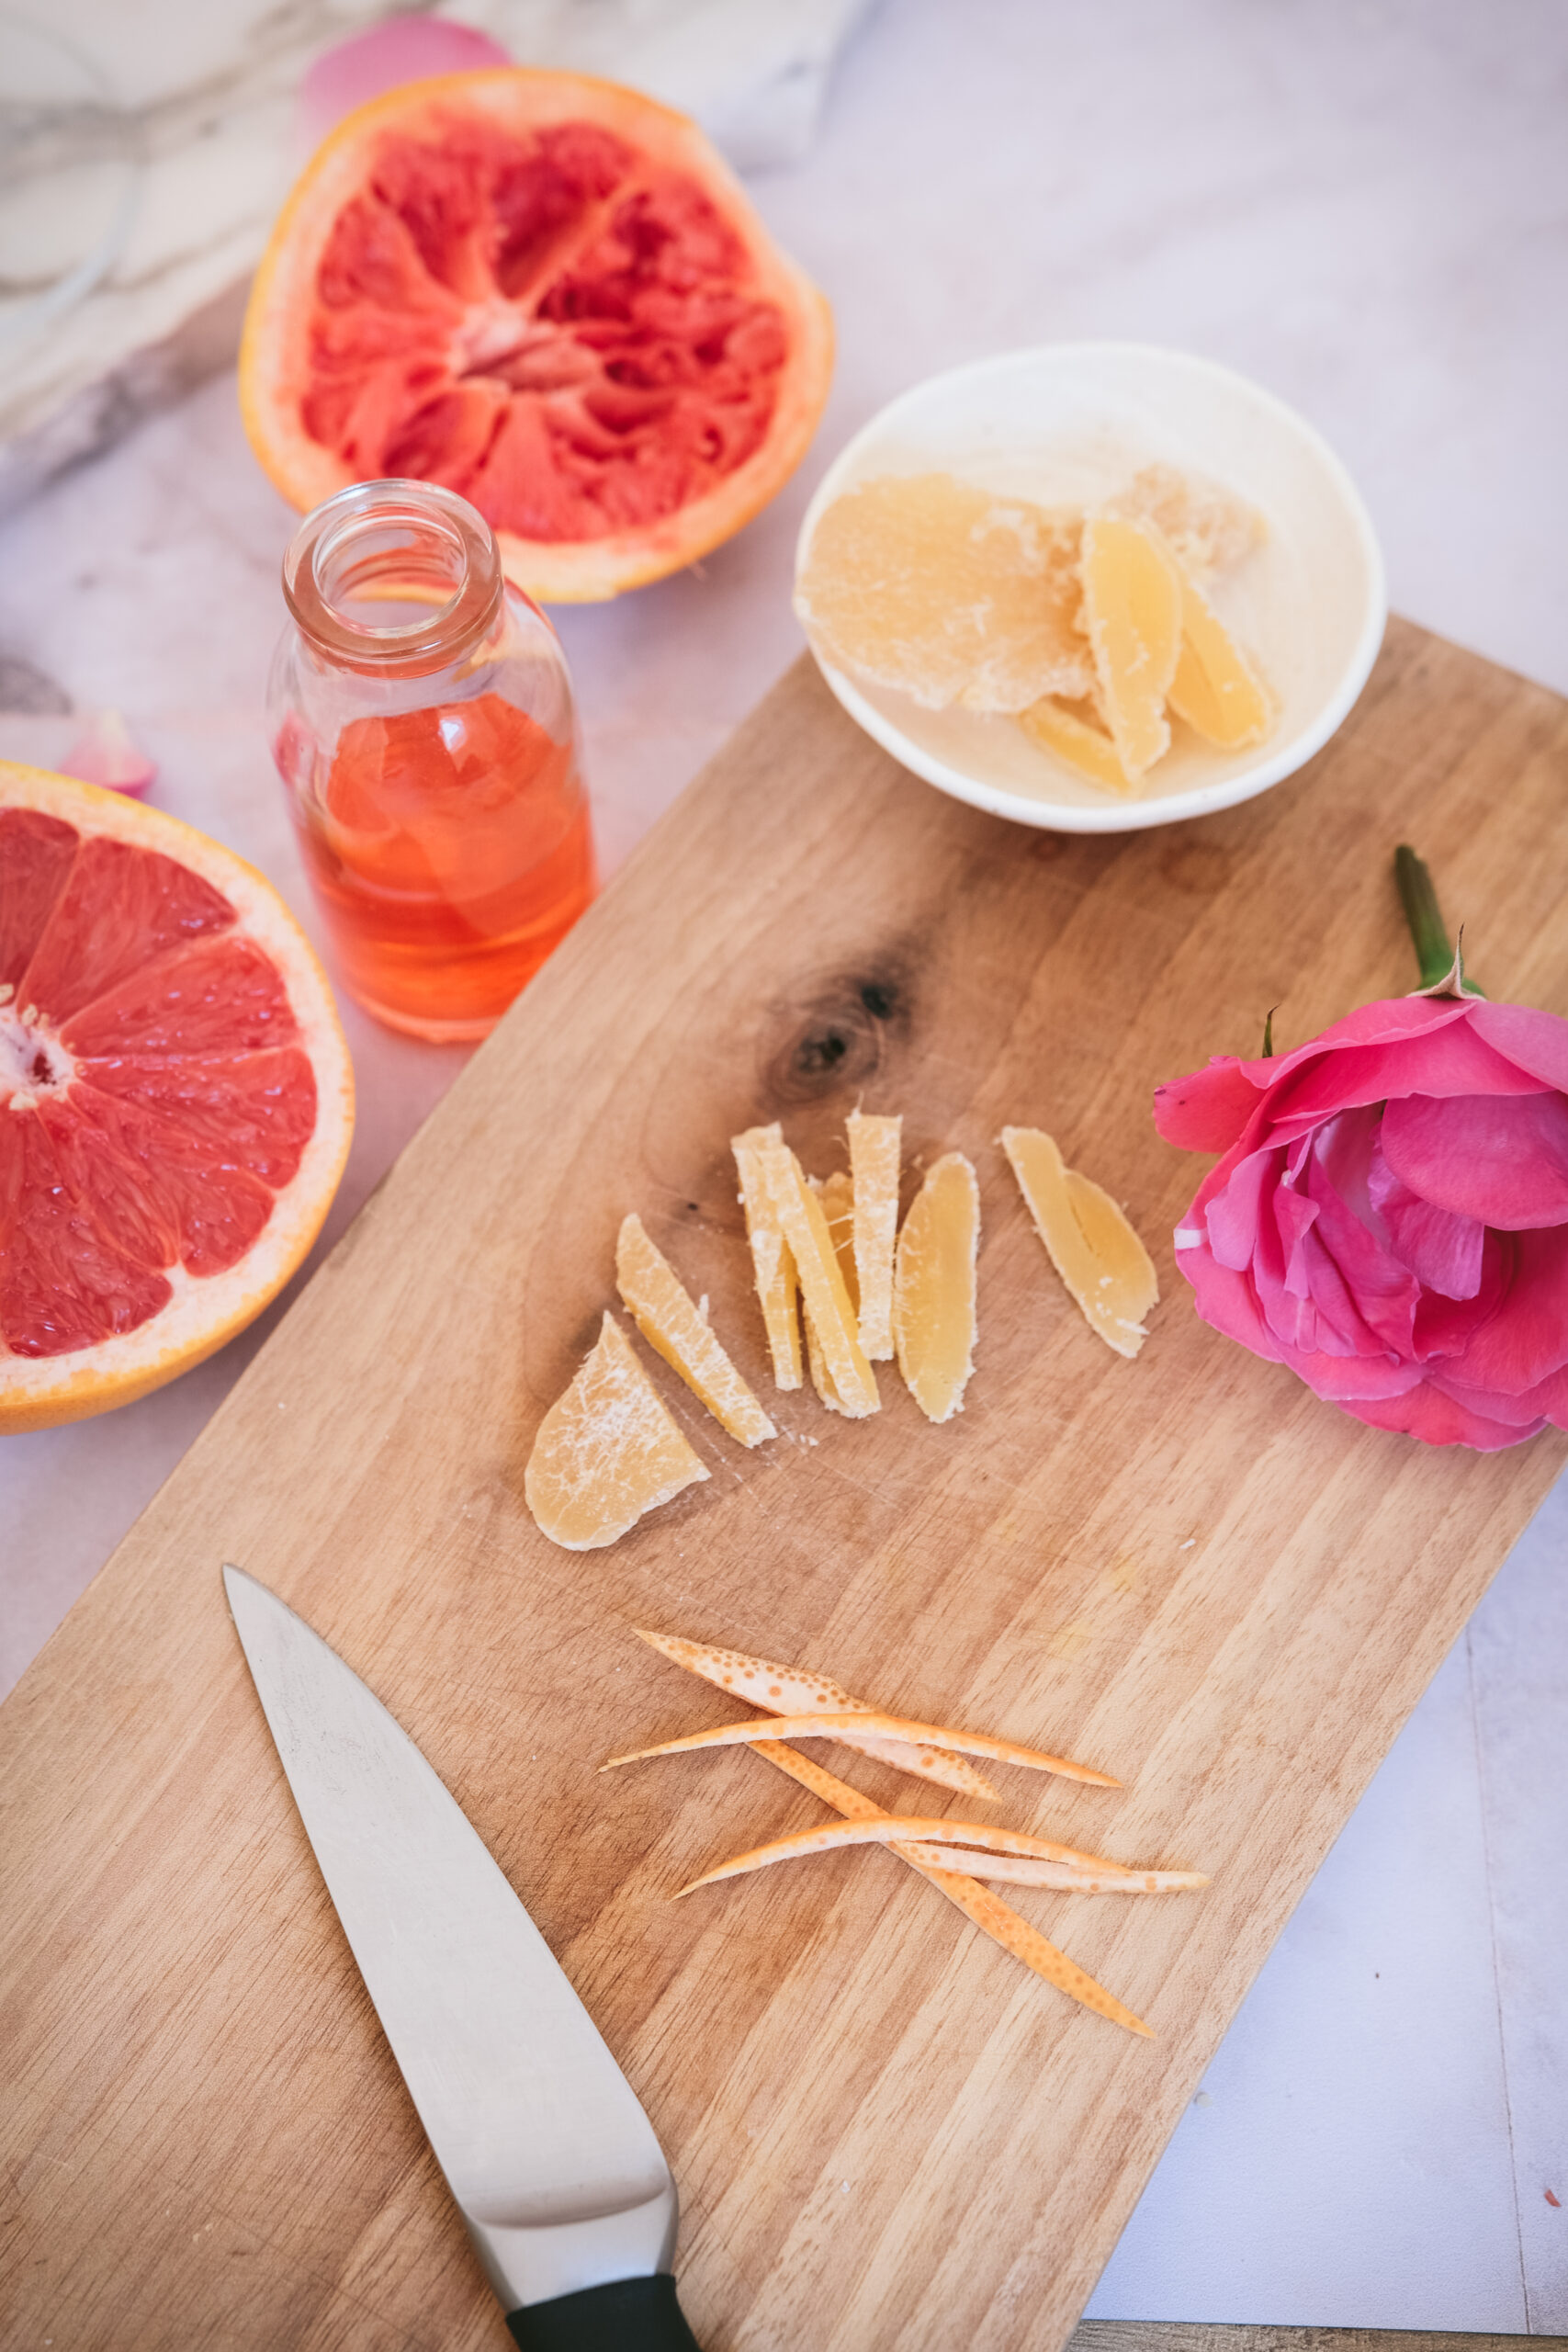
1361,203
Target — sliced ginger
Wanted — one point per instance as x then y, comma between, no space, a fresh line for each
1206,529
836,1194
607,1452
668,1320
948,594
772,1264
1076,737
933,1287
1132,607
1214,689
1105,1267
874,1143
799,1214
789,1691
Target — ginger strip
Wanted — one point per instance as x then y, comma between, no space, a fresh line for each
830,1726
985,1910
1106,1269
799,1214
668,1318
790,1690
1215,688
874,1146
772,1262
933,1287
1132,610
606,1451
836,1195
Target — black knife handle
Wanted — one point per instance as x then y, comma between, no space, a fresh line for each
629,2316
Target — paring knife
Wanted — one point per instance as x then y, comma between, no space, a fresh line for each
552,2162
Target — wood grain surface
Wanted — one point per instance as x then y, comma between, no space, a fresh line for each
1186,1569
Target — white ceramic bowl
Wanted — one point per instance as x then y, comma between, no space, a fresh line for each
1068,423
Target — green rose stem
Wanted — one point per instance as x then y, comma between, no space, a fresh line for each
1442,965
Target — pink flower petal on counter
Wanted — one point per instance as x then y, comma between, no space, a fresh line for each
402,49
105,754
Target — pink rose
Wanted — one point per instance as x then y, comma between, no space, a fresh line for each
1391,1214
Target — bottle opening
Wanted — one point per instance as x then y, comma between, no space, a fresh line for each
394,576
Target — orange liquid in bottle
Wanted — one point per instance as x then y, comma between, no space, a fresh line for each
452,850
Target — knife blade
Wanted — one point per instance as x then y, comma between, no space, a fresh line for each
545,2146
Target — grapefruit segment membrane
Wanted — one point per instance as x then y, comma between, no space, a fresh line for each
549,294
175,1097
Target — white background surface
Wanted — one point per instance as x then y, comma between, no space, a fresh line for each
1366,207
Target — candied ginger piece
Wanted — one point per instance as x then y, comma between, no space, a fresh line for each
874,1143
948,594
1208,529
1215,689
606,1451
1075,739
668,1320
837,1197
793,1690
1132,593
798,1212
1106,1269
772,1260
933,1287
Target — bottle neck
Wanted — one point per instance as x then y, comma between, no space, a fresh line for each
393,579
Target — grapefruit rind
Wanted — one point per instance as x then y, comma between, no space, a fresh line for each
273,351
205,1311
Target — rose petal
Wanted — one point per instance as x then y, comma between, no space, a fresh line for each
1535,1042
1502,1158
1438,1419
1548,1400
1208,1111
1526,1336
1442,1250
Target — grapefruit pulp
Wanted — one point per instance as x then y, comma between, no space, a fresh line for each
175,1097
551,295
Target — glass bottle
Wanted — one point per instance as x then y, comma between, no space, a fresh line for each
421,715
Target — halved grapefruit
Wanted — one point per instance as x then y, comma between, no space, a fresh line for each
175,1097
551,295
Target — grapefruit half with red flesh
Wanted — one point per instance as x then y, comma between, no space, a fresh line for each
176,1099
551,295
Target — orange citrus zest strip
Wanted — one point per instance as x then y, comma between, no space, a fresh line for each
905,1829
963,1743
1024,1870
987,1911
790,1690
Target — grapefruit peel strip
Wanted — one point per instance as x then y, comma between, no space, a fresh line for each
790,1690
900,1828
668,1318
985,1910
1066,1878
831,1727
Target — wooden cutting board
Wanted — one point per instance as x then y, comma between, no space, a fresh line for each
885,2130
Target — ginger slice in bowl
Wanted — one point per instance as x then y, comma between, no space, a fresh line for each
1215,689
987,1911
1132,611
832,1726
667,1316
771,1262
875,1142
933,1287
1105,1267
606,1451
1076,738
791,1690
951,595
